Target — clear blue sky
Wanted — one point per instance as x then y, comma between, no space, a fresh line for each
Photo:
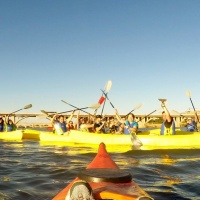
52,50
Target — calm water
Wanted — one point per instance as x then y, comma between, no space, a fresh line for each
31,171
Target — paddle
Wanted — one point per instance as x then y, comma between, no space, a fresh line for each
149,114
106,90
136,107
106,95
102,99
94,106
188,93
178,113
25,107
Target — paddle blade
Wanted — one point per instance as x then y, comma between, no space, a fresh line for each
28,106
108,86
101,100
135,141
44,112
138,106
188,93
95,106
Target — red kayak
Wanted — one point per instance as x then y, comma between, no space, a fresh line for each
107,180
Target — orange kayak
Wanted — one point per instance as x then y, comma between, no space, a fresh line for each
107,180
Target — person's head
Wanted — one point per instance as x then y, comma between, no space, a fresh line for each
71,123
82,120
1,120
61,118
131,117
10,122
164,115
98,118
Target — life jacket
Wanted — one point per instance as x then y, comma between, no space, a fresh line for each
132,124
60,128
191,127
1,127
70,127
10,127
168,131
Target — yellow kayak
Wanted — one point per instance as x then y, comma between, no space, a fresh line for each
13,135
144,140
31,134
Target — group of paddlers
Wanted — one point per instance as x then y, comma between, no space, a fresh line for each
7,124
114,124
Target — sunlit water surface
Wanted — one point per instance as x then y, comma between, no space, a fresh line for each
32,171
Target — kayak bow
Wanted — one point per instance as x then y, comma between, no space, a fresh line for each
107,180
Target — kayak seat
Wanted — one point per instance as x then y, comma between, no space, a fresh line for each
105,175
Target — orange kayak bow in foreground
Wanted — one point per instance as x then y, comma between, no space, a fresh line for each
107,180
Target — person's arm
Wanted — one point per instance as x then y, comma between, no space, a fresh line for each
118,116
168,116
53,120
98,129
71,116
6,119
134,129
77,122
196,117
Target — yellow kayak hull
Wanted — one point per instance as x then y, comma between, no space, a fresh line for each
13,135
149,140
31,134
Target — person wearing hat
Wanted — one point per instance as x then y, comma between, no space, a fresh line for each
99,125
191,124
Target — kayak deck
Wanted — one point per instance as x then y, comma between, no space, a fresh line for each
107,180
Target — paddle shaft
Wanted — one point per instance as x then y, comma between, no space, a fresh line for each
103,106
108,99
147,115
195,113
79,109
130,112
73,110
15,111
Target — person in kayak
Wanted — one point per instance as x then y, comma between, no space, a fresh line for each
168,125
1,124
99,125
59,125
9,125
84,124
131,126
70,125
192,124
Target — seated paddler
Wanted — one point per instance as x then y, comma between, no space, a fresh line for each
192,123
9,125
168,125
59,124
130,125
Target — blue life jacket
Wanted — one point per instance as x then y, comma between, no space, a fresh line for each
9,128
132,124
1,127
168,131
60,128
191,127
